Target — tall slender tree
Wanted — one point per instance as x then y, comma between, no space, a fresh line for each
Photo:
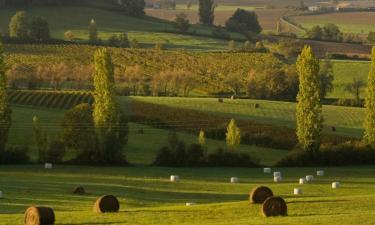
369,123
5,111
206,11
309,109
233,135
110,124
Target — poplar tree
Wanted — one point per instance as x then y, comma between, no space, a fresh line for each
110,124
233,135
309,109
206,11
201,138
5,111
93,31
369,123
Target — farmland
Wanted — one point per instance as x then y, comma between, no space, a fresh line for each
147,196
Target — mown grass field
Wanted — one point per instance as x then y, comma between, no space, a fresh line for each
141,148
347,120
148,31
147,197
351,22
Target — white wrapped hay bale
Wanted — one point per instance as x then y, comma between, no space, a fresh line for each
277,174
277,179
336,185
309,178
267,170
174,178
302,181
320,173
234,180
48,165
190,203
297,191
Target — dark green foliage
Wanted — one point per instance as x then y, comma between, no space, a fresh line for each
182,23
18,26
329,32
206,11
15,155
133,7
344,154
371,37
55,151
231,159
39,29
244,21
326,77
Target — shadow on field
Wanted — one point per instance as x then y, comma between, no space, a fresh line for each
316,201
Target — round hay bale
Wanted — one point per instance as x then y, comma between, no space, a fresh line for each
106,203
256,105
259,194
39,216
220,100
79,190
274,206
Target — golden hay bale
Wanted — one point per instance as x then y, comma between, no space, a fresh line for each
79,190
39,216
274,206
106,203
260,194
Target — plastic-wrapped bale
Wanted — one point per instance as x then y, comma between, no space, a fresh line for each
79,190
48,166
320,173
336,185
302,181
274,206
190,203
277,179
259,194
234,180
297,191
277,174
174,178
106,203
266,170
309,178
39,216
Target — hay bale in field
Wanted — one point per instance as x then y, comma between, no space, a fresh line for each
274,206
302,181
320,173
48,165
277,174
336,185
39,216
297,191
174,178
309,178
234,180
220,100
266,170
106,203
259,194
277,179
233,97
190,203
79,190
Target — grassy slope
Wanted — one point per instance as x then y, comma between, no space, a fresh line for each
347,120
146,30
353,22
141,148
147,197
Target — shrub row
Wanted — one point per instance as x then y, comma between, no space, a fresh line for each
214,125
50,99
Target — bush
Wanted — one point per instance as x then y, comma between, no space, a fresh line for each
347,153
16,155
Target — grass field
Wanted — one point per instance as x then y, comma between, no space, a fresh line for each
147,197
347,120
141,148
351,22
148,31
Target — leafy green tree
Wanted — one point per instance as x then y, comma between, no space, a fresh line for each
77,131
326,77
369,123
5,111
39,29
355,88
133,7
309,109
93,31
110,124
202,138
332,32
244,21
316,33
206,11
181,22
233,135
18,26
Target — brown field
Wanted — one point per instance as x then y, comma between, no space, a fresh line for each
267,17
